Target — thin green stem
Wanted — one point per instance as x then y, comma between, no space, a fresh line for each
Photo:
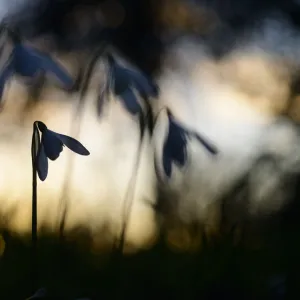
145,122
76,122
129,197
34,150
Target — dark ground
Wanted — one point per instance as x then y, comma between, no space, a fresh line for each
222,267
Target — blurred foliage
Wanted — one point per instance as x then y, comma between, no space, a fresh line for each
221,267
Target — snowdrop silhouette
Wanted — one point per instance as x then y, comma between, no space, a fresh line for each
50,145
127,85
124,82
175,145
28,62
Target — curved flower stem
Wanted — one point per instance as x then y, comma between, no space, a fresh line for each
129,198
145,122
75,130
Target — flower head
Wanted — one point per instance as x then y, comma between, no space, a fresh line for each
175,145
50,146
29,62
125,82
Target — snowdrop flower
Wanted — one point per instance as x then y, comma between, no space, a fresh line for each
29,62
124,81
50,146
175,145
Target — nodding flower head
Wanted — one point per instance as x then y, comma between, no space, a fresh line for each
123,82
175,145
50,146
29,62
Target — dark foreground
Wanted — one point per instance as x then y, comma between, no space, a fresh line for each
252,268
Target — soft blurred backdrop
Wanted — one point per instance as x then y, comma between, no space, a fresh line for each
223,226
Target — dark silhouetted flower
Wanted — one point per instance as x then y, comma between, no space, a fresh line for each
175,146
28,62
124,82
50,146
